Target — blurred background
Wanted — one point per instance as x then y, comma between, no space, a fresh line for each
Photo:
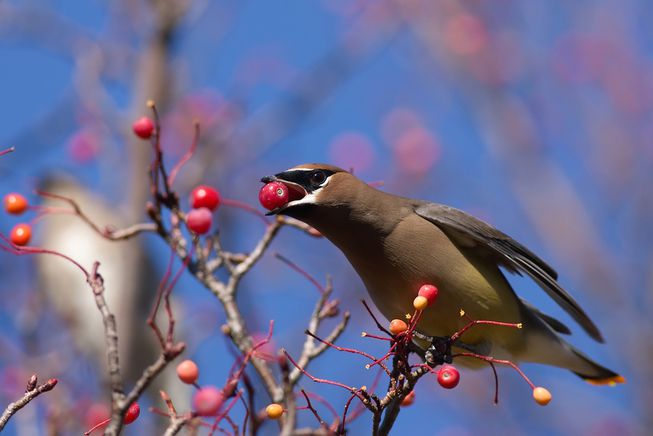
535,116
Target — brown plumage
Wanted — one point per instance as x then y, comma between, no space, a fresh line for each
397,244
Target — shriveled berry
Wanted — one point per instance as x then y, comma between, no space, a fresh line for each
274,411
207,401
448,377
408,399
188,372
398,326
541,395
205,196
273,195
429,292
132,413
199,220
21,234
15,203
420,302
143,127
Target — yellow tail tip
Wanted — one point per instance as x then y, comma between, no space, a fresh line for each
610,381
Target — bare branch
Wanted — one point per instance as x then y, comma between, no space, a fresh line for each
33,390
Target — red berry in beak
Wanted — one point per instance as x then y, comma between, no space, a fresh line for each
273,195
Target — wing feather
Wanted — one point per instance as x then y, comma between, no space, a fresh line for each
508,253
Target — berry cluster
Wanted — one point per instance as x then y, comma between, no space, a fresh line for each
204,200
16,204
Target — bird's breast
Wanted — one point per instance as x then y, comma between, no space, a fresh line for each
417,252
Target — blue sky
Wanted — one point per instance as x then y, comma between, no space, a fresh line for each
535,117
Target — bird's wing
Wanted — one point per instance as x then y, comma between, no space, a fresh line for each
507,252
554,323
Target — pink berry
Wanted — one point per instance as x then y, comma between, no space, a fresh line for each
273,195
188,372
97,413
205,196
430,292
132,413
448,377
199,220
143,127
207,401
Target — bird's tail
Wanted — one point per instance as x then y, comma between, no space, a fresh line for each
595,373
548,347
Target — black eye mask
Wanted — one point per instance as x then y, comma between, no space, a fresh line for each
310,180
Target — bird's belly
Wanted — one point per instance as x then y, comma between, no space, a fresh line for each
418,252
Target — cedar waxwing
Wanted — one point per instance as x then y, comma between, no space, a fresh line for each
397,244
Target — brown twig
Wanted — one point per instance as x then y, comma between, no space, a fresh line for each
107,232
32,391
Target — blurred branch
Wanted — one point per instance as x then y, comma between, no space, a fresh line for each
32,391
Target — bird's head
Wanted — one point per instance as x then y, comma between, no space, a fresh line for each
312,185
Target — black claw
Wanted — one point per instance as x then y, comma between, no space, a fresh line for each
439,352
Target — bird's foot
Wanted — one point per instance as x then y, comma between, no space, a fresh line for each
439,350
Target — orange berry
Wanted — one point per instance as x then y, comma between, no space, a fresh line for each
188,372
274,411
408,399
541,395
15,203
420,302
21,234
398,326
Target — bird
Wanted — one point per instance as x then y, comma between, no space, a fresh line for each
397,244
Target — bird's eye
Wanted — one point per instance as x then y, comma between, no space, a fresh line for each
317,178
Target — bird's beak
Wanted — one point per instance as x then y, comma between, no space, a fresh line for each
296,191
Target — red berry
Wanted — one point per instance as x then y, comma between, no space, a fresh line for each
398,326
430,292
15,203
188,372
199,220
408,399
143,127
132,413
21,234
204,196
448,377
207,401
273,195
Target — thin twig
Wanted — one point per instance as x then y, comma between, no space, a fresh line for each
32,391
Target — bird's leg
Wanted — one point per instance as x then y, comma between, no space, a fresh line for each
438,352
